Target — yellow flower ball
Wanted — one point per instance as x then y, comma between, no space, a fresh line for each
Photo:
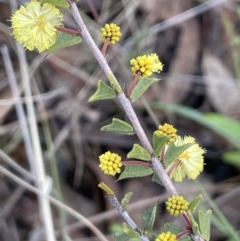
112,32
34,25
167,130
110,163
168,236
146,65
176,205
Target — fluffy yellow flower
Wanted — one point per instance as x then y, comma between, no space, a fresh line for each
112,32
189,163
166,237
176,205
146,65
110,163
34,25
167,130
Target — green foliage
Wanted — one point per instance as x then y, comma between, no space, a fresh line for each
64,40
173,152
57,3
114,84
193,204
195,226
135,171
204,220
103,92
127,234
142,85
149,217
231,157
138,152
126,199
159,142
155,178
119,126
125,237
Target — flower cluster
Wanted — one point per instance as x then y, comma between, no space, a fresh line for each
166,237
146,65
176,205
167,130
112,32
110,163
34,25
189,163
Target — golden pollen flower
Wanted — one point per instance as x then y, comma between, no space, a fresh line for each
34,25
166,237
146,65
167,130
176,205
110,163
112,32
189,163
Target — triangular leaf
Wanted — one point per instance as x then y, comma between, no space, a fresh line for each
141,86
64,40
135,171
126,199
125,237
149,218
195,226
193,204
158,143
138,152
129,231
119,126
155,178
57,3
204,220
173,152
103,92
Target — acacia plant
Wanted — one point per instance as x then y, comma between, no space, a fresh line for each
168,156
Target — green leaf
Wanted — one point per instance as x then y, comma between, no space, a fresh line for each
158,143
135,171
125,237
129,231
204,220
149,218
142,85
119,126
57,3
193,204
195,226
156,179
139,152
64,40
231,157
173,152
126,199
103,92
168,227
114,83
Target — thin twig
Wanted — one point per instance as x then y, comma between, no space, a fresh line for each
125,215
